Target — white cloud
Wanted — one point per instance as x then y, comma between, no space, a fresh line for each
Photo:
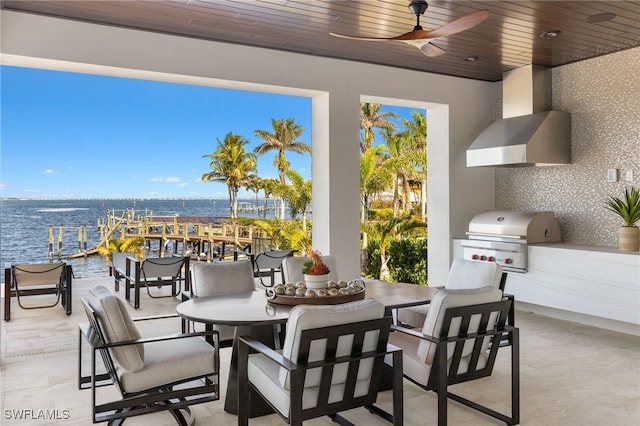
182,184
171,179
49,172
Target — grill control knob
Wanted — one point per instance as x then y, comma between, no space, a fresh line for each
491,259
483,257
475,257
508,261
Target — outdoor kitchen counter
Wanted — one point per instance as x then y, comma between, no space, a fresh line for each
600,284
601,249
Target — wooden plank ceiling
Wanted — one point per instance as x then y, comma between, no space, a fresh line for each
508,39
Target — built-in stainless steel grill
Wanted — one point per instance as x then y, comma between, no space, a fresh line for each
502,236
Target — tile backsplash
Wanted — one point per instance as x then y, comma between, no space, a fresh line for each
603,97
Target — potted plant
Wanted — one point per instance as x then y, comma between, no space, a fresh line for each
316,273
628,208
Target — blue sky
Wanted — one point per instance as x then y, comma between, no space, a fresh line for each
67,135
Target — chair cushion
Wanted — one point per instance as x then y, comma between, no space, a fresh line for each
444,299
264,375
413,315
467,274
303,317
292,268
464,274
413,365
170,361
218,278
117,326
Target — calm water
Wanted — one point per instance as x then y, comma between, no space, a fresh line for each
24,226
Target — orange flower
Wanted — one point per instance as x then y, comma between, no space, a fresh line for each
315,266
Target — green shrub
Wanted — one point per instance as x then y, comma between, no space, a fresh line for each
407,260
373,260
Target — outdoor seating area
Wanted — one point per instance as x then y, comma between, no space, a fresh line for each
151,272
40,367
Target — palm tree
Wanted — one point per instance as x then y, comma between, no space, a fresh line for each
299,196
254,184
231,164
269,187
373,178
284,138
273,230
387,231
416,132
371,118
299,239
403,162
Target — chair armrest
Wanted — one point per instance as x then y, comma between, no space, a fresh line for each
291,366
414,333
270,353
156,317
419,335
160,339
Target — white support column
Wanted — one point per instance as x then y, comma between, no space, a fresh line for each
336,179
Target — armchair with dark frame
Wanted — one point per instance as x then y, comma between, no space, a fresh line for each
268,263
219,278
166,373
150,272
459,342
33,279
331,361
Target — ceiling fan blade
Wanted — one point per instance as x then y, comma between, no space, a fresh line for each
351,37
459,25
431,50
411,35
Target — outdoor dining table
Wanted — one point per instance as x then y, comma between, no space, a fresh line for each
252,314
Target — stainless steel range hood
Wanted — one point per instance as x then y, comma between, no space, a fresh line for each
529,134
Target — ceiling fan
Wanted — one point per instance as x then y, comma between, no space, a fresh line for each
421,38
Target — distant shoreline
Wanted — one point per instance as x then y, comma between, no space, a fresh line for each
132,199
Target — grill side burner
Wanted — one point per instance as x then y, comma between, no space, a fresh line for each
503,236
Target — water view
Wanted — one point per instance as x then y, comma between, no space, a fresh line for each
24,225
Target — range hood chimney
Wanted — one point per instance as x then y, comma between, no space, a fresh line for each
530,134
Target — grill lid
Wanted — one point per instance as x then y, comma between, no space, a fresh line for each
521,226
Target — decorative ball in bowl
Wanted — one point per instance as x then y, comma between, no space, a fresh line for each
333,292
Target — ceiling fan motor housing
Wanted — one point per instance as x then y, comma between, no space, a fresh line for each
418,7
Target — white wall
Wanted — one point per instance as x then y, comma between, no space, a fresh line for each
462,108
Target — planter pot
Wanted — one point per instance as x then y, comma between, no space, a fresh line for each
628,238
316,281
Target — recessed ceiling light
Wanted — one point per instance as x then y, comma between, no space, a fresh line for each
601,17
550,34
471,58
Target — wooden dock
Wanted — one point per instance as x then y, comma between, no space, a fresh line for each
201,237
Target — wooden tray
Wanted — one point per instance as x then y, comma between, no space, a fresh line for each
327,300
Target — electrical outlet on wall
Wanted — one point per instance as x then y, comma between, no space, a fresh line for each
628,175
612,175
